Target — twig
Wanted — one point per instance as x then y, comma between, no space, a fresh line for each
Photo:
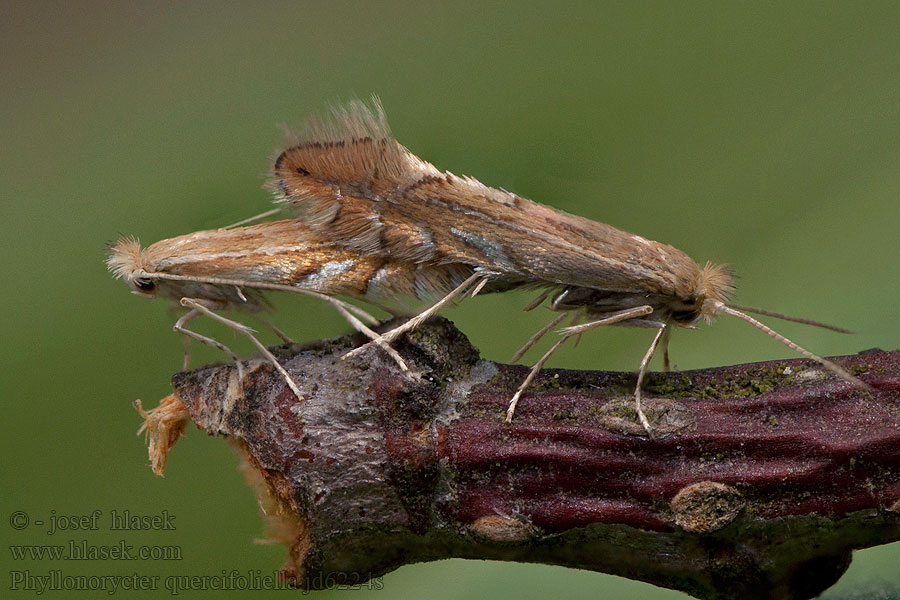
759,483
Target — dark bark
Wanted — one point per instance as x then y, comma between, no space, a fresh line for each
760,481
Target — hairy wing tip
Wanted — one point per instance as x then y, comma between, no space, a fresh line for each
352,120
349,146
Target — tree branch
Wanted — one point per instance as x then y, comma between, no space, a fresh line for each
760,481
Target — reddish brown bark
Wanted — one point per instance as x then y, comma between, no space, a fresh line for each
760,481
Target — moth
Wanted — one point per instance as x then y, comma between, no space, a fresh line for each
353,183
209,272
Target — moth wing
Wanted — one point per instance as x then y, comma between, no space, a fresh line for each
353,182
340,173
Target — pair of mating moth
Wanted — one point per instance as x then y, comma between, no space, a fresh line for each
376,223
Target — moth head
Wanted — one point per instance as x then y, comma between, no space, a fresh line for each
713,286
127,261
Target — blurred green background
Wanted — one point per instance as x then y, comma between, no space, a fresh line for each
762,135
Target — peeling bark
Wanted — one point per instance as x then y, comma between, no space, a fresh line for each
760,481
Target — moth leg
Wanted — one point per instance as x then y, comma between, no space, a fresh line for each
284,337
479,287
180,328
537,301
258,217
665,346
186,337
186,342
645,362
344,308
372,335
536,337
197,305
511,410
347,311
577,340
417,320
338,304
568,332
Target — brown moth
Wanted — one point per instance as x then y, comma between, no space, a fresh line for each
225,269
354,184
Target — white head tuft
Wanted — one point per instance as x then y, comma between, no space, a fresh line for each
125,258
126,261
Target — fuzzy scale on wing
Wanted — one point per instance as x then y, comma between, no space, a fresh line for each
353,182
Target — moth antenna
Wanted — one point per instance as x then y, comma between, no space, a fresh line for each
718,306
768,313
